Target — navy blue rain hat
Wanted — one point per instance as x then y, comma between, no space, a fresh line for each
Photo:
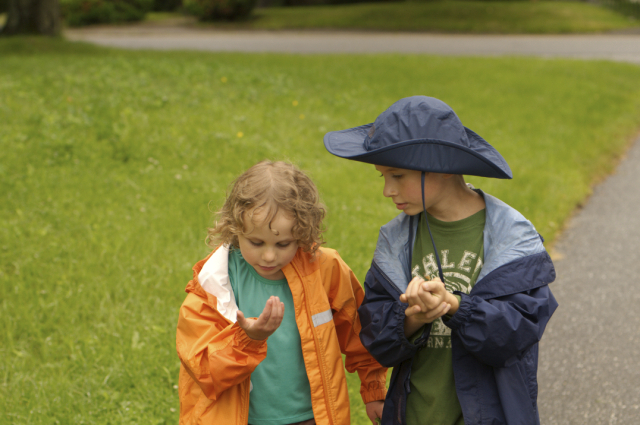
419,133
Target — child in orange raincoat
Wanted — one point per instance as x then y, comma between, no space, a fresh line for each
269,312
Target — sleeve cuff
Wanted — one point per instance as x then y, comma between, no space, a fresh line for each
407,343
246,342
463,312
448,316
377,391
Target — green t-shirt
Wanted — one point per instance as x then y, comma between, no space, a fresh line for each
433,398
281,393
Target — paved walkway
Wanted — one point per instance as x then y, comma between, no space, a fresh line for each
589,355
589,368
617,47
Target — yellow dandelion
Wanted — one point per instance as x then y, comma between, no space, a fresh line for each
294,103
301,116
240,134
223,79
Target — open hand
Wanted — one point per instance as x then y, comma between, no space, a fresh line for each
267,323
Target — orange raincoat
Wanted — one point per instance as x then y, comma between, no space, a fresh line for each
217,357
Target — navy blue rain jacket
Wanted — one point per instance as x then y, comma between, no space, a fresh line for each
494,333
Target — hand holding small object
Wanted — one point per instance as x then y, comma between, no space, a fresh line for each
437,290
374,411
267,323
428,300
421,300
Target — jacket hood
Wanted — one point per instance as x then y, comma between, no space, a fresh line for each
508,236
211,277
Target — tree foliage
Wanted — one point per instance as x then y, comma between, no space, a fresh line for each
86,12
209,10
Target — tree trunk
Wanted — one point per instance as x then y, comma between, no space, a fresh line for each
33,17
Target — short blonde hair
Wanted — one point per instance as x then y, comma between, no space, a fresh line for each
271,187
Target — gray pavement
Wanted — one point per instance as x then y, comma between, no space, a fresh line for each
616,47
589,356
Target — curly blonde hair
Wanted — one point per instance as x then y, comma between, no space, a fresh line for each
271,187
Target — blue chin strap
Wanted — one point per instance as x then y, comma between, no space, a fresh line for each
435,249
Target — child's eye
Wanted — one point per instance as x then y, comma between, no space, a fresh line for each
284,244
396,176
255,243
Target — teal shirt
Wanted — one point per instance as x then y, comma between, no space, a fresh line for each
433,398
281,393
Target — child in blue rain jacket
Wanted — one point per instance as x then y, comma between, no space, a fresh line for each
457,295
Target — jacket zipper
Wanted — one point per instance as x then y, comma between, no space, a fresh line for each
319,352
386,278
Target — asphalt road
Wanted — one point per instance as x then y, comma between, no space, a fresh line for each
589,355
617,47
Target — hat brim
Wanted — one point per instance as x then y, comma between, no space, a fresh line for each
430,155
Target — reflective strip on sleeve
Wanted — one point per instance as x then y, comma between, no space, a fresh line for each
322,318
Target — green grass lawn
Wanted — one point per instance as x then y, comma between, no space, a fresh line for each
530,17
112,162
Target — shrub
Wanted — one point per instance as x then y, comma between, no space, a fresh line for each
165,5
330,2
4,6
630,8
208,10
86,12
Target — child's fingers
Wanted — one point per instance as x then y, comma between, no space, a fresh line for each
434,287
428,299
277,309
431,284
276,314
439,311
412,283
275,322
415,281
445,309
435,279
411,290
279,312
414,296
412,310
242,322
266,313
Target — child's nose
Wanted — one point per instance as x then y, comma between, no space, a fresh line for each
388,191
269,255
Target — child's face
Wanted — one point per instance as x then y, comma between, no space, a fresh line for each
269,246
404,187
